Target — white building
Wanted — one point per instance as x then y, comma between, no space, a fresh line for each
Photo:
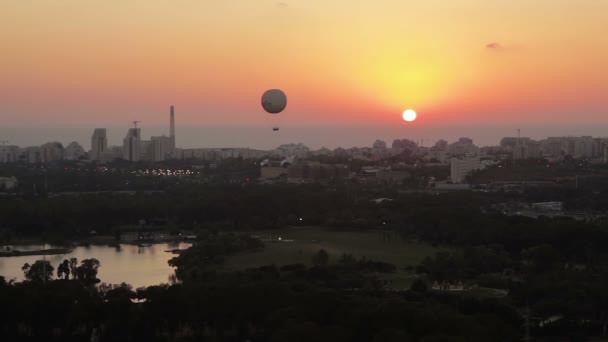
73,151
131,147
99,143
460,168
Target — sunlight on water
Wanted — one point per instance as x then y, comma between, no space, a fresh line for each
138,266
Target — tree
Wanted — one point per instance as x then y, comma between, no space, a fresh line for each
63,270
40,271
321,258
87,271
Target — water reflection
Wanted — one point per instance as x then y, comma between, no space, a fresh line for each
135,265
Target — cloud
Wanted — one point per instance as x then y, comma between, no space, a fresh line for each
282,5
494,46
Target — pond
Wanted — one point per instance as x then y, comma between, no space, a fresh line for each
134,265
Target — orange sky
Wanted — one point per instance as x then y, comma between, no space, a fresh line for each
339,61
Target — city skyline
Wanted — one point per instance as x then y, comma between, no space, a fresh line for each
502,63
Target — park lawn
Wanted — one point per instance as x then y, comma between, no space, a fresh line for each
370,245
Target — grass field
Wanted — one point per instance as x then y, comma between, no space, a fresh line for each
309,240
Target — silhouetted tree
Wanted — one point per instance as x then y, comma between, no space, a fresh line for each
63,270
87,271
40,271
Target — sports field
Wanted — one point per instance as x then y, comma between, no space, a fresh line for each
297,245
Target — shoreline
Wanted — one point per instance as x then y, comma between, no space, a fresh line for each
51,251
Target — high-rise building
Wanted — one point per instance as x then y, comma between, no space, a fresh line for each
172,132
99,143
132,145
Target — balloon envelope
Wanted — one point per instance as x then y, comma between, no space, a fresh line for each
274,101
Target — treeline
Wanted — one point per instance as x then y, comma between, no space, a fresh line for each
446,217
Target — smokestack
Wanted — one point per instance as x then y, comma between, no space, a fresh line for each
172,111
172,133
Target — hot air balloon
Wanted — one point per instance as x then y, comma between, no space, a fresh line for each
274,101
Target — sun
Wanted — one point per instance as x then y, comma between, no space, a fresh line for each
409,115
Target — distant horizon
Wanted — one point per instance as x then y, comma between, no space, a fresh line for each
314,136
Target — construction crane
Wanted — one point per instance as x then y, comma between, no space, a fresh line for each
136,122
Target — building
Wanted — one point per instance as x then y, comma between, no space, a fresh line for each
171,147
434,154
31,155
50,152
73,151
577,147
288,150
441,145
462,147
9,154
462,167
146,151
8,183
111,154
99,143
161,148
131,147
526,149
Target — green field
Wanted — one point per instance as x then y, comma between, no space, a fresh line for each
309,240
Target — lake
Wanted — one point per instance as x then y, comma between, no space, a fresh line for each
138,266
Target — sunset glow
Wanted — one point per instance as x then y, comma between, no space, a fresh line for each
338,61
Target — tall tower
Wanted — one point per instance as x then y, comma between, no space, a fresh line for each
172,133
131,146
99,143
